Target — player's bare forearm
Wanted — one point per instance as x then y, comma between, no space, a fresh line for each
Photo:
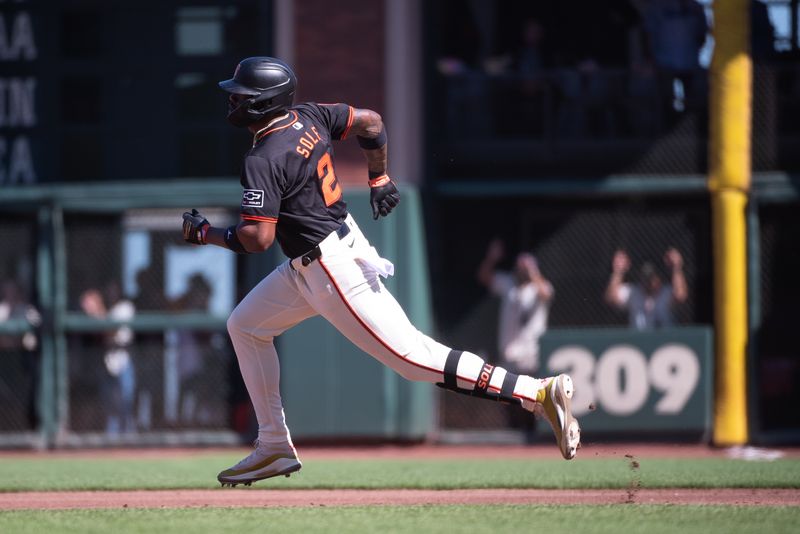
377,160
612,291
371,135
256,236
367,124
544,288
680,292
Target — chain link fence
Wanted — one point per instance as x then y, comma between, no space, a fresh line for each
19,369
776,358
574,243
178,379
135,321
124,380
19,317
161,362
133,340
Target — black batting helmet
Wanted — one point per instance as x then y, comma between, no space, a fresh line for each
269,83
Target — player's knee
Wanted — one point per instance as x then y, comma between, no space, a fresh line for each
240,325
236,323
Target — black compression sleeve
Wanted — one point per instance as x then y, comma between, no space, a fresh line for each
232,241
370,143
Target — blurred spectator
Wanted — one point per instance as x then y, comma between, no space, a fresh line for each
528,87
119,387
762,33
465,61
15,306
151,294
676,31
150,297
649,301
185,351
525,304
530,58
592,58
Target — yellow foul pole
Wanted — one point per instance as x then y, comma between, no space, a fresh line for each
729,184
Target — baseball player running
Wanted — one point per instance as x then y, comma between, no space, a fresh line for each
291,194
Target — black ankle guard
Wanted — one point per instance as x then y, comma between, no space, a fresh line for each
481,389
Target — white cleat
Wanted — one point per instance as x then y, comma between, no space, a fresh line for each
260,464
556,407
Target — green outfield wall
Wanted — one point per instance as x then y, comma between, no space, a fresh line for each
633,382
331,388
67,232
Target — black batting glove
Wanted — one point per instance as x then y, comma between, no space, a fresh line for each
195,227
383,196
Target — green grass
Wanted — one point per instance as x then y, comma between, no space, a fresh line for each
630,519
199,471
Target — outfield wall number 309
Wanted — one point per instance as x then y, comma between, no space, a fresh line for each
619,381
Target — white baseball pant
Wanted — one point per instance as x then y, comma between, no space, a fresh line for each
343,286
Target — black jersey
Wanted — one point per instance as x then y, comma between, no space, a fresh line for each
289,178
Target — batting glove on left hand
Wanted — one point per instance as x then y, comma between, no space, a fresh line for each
195,227
383,196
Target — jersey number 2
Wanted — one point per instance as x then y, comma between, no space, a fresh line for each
331,191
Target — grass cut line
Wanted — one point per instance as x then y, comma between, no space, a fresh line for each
199,472
631,519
